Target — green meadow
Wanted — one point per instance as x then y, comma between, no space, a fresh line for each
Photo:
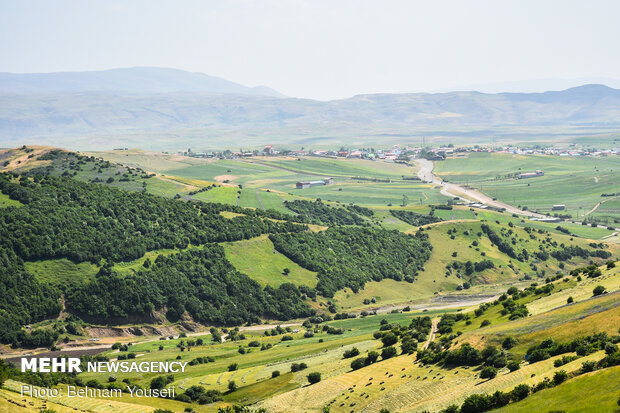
62,272
595,392
258,259
577,182
5,201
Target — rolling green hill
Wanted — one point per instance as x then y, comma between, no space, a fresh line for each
404,307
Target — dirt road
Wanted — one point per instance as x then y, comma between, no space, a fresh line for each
431,335
466,194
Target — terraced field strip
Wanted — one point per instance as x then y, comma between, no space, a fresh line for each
86,403
601,396
457,384
582,291
12,402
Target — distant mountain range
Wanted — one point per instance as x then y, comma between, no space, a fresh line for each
535,85
190,107
129,80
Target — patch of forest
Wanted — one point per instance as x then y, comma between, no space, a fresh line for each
316,212
413,218
200,281
350,256
65,218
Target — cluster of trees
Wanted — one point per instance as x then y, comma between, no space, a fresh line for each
198,394
360,362
465,355
499,242
508,301
413,218
391,334
582,346
65,163
64,218
316,212
470,267
203,189
571,251
417,331
360,210
200,281
349,256
24,300
447,321
478,403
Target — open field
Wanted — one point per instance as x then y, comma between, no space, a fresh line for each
281,174
562,324
5,201
595,392
13,402
258,259
576,182
62,271
585,178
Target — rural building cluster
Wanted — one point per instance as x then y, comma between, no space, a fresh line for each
398,153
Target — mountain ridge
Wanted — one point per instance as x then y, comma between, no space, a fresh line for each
213,119
134,80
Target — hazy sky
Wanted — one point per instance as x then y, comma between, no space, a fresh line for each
320,49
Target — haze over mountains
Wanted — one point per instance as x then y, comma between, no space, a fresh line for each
127,80
192,107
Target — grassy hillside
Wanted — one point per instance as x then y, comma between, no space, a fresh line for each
178,263
258,259
598,314
601,395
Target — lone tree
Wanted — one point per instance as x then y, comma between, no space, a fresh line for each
232,386
488,372
598,290
314,377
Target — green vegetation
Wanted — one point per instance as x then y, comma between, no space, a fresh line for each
6,201
350,257
601,395
200,281
413,218
577,182
318,213
92,222
258,259
61,271
344,277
